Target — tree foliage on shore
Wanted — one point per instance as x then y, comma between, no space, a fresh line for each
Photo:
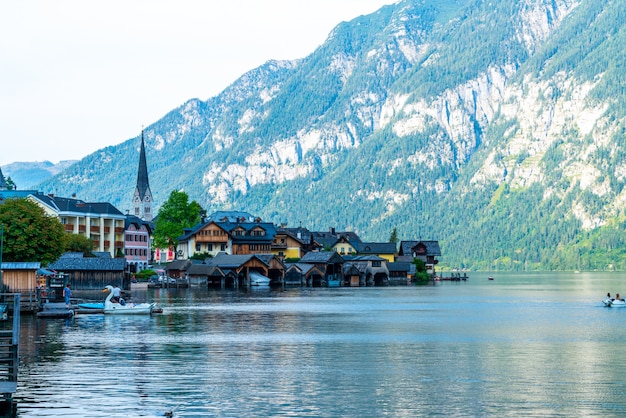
176,214
29,234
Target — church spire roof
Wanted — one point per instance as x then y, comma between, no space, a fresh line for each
142,172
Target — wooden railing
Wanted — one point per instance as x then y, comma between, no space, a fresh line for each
10,354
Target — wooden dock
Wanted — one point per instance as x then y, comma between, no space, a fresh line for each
9,359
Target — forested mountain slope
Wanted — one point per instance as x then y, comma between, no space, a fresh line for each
495,127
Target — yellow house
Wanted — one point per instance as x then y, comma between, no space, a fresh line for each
287,245
101,222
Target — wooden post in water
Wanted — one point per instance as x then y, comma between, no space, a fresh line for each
10,360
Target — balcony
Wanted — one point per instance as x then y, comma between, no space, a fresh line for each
94,229
119,230
68,228
81,228
107,229
119,244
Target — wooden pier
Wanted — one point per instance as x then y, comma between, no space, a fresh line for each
9,360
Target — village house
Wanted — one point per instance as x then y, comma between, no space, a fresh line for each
293,243
427,251
137,241
341,242
236,233
101,222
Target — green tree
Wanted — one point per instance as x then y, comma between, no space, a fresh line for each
30,234
176,214
78,244
394,235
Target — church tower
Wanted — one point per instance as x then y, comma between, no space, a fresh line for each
142,200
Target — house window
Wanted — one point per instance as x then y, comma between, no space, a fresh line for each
223,247
198,247
376,263
209,247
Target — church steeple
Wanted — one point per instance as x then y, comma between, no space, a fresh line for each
142,200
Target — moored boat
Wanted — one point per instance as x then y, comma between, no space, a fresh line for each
257,279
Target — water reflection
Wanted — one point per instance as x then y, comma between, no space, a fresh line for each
521,345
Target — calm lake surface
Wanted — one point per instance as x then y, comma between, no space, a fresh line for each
538,344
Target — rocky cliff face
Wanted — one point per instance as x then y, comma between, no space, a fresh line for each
423,106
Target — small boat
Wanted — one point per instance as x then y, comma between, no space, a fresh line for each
125,308
257,279
614,303
490,278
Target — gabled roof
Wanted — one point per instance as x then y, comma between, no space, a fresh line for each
267,258
268,227
375,247
326,257
71,262
179,265
205,269
305,268
229,227
296,233
138,222
231,261
350,269
432,247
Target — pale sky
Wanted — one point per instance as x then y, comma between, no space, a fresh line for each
77,76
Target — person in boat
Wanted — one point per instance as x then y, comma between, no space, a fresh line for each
608,296
117,292
618,298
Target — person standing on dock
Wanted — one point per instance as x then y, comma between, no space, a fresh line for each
67,292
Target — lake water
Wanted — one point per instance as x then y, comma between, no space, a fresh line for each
521,345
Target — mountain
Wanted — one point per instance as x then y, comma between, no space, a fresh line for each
28,175
494,127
